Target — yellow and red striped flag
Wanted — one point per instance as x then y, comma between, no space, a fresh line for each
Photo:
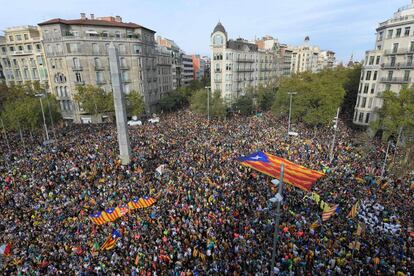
314,225
354,210
329,212
111,240
294,174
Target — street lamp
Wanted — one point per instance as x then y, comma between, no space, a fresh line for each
208,102
331,155
290,109
385,159
277,199
41,95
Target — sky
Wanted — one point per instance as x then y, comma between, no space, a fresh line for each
345,26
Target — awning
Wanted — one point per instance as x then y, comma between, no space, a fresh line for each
91,32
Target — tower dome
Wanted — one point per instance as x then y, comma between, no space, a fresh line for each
219,28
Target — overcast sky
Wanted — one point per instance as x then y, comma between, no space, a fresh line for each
344,26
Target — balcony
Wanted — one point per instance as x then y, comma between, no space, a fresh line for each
217,80
245,70
217,70
126,80
401,51
22,53
77,68
395,80
79,82
398,66
245,60
100,82
124,67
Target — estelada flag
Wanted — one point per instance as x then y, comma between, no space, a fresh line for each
294,174
97,218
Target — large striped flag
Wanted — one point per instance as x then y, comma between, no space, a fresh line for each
97,218
354,210
329,212
294,174
139,203
111,214
111,240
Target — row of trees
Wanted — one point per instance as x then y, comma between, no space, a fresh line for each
20,107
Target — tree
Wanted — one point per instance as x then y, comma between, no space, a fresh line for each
199,104
351,86
396,119
317,99
244,104
265,97
94,100
135,104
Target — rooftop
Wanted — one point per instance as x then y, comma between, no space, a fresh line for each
102,21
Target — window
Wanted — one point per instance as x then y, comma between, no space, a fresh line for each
412,46
406,75
78,77
395,48
355,115
99,77
137,49
375,75
18,37
72,47
388,87
125,76
11,48
122,49
76,63
11,38
367,118
4,50
398,33
104,34
361,117
118,34
371,60
26,37
20,48
366,87
369,102
392,61
123,63
97,63
38,47
378,60
95,48
390,73
40,60
409,60
29,47
407,31
364,102
368,76
34,73
380,36
373,88
358,101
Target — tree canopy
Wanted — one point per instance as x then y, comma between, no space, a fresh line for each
94,99
135,104
199,104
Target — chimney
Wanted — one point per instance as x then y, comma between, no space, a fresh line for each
118,18
83,16
92,16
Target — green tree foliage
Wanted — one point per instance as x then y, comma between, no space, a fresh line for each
21,109
135,104
244,104
317,99
180,98
351,86
396,119
265,97
199,104
94,100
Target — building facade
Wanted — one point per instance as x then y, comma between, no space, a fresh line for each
285,65
238,65
389,66
177,60
164,70
22,57
188,70
199,67
310,58
76,54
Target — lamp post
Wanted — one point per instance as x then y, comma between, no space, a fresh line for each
385,159
43,114
208,102
5,134
51,119
290,110
331,155
278,200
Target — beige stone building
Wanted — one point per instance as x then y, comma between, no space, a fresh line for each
387,67
310,58
76,54
22,58
238,65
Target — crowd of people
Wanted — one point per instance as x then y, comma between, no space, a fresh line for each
212,215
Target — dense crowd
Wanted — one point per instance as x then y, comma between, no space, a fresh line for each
212,216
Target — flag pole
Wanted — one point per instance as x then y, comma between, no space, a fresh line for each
279,200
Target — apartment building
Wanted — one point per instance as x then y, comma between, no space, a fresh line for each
285,65
22,58
199,67
76,54
177,62
164,70
238,65
188,70
387,67
311,58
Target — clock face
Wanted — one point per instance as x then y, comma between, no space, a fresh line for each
218,39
